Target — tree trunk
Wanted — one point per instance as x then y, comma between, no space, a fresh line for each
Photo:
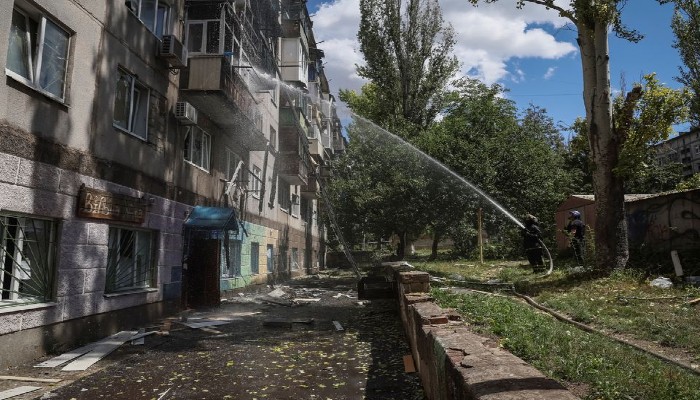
434,247
401,250
610,228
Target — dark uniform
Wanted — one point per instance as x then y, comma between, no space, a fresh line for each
577,230
532,234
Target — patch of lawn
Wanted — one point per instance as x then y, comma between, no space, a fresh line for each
623,303
611,370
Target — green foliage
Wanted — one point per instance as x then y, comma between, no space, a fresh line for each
657,110
686,27
691,183
517,161
407,50
577,158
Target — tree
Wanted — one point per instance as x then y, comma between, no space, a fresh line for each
517,160
379,186
686,27
407,51
593,19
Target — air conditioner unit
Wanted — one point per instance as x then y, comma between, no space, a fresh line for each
172,50
185,113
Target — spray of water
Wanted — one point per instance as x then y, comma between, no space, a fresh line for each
435,162
442,166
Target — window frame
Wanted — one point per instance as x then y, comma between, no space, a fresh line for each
149,270
189,152
205,37
27,264
164,20
256,181
136,96
284,201
35,52
255,258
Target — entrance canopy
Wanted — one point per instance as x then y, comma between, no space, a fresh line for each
212,219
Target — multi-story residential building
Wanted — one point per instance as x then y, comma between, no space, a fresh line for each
683,148
151,159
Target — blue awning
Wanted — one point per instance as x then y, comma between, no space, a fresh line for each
212,218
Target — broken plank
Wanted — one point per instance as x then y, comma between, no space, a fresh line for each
100,351
28,379
695,301
142,335
337,325
137,340
71,355
6,394
309,300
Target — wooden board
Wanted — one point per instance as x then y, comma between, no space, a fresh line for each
6,394
204,323
28,379
65,357
100,351
408,364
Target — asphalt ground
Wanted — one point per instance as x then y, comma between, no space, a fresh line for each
281,344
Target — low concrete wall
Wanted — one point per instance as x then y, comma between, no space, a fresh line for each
454,363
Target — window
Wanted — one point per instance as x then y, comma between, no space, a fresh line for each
131,105
155,14
231,259
204,37
305,208
129,260
197,147
256,182
255,257
232,161
273,138
295,201
283,197
37,53
27,255
295,258
270,258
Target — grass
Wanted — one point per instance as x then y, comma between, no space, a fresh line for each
623,303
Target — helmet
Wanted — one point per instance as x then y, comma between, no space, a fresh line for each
530,218
575,214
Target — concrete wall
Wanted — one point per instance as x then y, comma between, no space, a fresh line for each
453,362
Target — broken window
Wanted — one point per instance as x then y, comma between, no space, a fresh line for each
129,260
197,147
131,105
27,254
255,257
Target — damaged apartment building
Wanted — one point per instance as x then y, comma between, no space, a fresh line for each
154,155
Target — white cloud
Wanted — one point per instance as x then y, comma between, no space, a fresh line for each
550,72
488,37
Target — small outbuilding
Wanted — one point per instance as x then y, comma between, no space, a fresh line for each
661,222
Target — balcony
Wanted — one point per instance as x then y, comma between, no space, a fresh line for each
212,86
311,190
293,168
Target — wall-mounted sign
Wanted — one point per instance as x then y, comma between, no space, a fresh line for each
93,203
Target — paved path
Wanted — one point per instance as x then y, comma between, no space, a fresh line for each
276,348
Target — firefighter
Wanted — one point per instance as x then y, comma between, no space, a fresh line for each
532,236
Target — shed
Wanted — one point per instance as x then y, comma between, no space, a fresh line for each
585,204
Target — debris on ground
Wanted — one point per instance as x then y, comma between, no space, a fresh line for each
662,283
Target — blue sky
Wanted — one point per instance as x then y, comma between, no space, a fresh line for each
531,51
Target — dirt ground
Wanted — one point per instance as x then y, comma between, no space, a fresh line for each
280,344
